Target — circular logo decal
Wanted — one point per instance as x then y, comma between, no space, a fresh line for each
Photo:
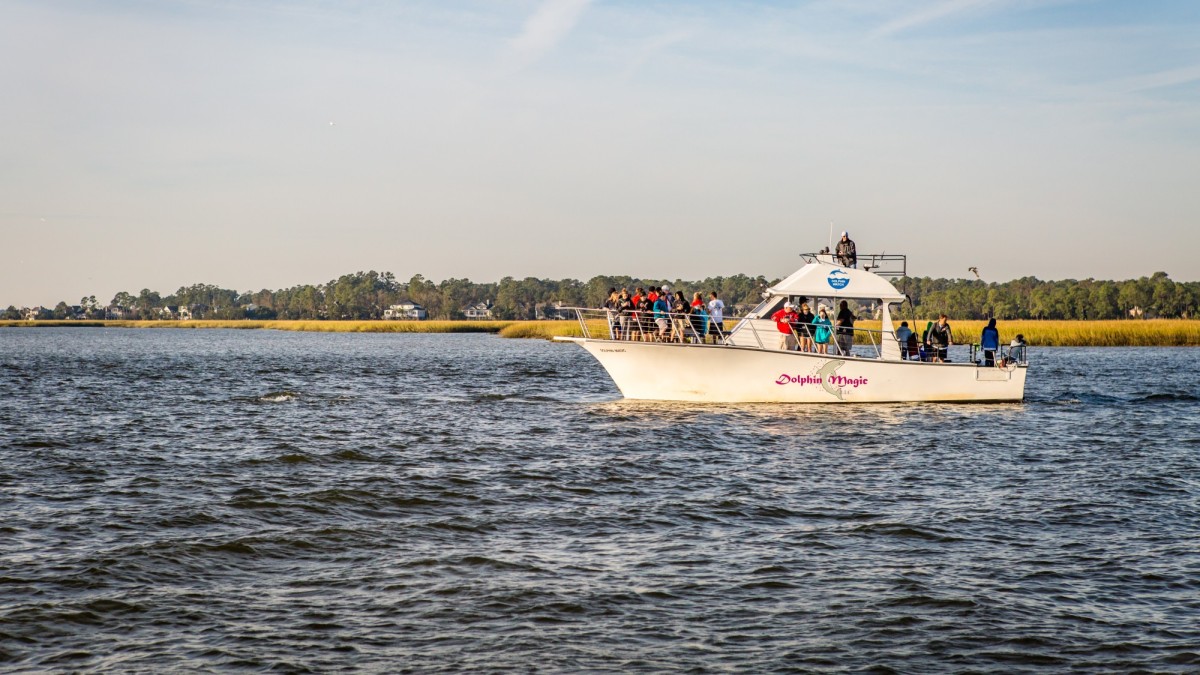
838,280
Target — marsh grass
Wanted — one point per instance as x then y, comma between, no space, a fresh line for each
1117,333
1147,333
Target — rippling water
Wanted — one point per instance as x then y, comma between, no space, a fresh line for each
196,500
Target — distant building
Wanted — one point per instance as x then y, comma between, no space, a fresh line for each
406,310
552,312
478,311
169,312
32,313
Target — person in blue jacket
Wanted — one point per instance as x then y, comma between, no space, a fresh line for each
822,329
662,313
989,342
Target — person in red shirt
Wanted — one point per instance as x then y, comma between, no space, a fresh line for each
784,319
636,323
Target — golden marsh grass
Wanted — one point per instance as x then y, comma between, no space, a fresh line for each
1116,333
1147,333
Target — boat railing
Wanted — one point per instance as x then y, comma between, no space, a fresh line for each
607,324
611,324
894,265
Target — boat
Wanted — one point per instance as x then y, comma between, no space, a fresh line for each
747,364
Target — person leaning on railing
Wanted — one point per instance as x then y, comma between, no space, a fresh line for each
716,313
624,313
784,318
941,337
645,316
903,333
804,319
610,306
679,322
846,253
822,331
662,317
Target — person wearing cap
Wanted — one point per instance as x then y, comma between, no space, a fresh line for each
845,251
662,314
784,319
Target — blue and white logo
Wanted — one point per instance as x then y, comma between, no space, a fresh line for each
838,279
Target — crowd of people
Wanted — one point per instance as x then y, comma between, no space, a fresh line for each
802,330
935,341
658,315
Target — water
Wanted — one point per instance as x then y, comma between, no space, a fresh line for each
175,500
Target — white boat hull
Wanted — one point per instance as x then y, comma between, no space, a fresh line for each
732,374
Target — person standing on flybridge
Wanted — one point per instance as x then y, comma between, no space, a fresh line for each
845,251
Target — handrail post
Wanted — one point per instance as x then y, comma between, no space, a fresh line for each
582,324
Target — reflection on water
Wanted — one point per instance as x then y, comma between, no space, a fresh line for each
178,500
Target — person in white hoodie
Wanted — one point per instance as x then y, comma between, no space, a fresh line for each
716,315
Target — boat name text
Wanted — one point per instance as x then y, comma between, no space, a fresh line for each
833,380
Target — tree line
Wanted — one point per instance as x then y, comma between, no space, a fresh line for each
366,295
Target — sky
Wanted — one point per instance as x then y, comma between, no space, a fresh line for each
158,144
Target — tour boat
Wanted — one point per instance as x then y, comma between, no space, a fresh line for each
748,364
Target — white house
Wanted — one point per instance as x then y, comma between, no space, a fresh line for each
405,310
481,310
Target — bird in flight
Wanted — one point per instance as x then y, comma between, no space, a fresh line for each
974,270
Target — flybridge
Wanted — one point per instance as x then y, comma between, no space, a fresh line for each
891,265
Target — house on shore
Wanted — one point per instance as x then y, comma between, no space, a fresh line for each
552,312
479,311
405,311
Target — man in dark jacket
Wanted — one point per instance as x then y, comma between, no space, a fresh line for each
845,251
941,337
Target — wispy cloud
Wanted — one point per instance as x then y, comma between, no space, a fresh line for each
1165,78
929,15
546,27
652,48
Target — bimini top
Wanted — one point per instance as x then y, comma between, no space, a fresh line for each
825,280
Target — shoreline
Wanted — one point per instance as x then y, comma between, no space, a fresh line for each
1107,333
